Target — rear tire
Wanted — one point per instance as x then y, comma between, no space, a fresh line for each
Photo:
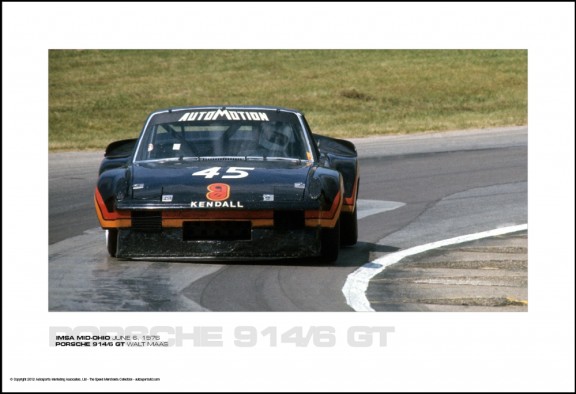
330,244
349,234
112,241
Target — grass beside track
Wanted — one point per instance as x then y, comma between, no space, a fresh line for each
99,96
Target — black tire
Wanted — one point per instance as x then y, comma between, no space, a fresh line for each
330,244
112,241
349,230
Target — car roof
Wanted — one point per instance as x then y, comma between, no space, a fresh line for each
232,107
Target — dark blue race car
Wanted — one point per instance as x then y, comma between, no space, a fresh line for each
228,182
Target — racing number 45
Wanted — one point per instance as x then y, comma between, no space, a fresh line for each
231,173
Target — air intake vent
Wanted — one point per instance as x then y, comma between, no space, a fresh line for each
147,220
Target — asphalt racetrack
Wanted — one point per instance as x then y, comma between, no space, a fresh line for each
414,190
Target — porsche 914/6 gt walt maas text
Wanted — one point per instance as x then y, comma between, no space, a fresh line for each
228,182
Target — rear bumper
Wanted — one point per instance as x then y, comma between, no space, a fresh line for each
264,243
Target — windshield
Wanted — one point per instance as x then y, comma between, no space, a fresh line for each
185,137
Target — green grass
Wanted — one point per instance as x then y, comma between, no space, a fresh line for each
99,96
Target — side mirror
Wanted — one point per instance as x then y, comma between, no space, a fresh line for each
117,155
119,149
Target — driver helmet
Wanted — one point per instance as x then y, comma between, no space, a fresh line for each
275,136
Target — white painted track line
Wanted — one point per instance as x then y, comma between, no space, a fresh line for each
357,282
